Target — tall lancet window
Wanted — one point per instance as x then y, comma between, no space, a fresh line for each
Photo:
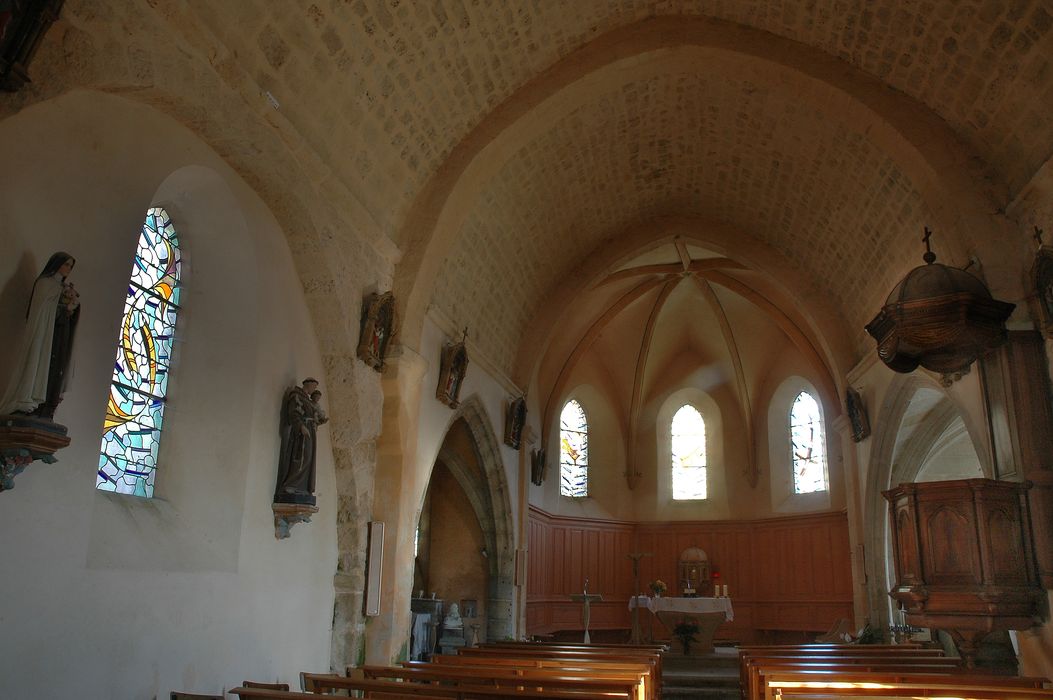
128,459
573,451
806,445
689,454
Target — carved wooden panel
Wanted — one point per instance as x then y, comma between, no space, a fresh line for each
951,552
978,565
783,574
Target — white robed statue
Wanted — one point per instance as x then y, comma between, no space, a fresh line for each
43,362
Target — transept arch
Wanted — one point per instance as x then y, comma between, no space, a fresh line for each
487,491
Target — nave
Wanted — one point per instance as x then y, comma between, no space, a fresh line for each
368,306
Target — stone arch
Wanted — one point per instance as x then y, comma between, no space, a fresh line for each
942,169
893,462
488,495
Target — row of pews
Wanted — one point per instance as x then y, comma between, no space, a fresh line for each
835,672
497,670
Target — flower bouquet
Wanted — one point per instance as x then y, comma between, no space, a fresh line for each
658,587
685,632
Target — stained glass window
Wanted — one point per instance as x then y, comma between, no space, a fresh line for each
128,459
573,451
806,445
689,454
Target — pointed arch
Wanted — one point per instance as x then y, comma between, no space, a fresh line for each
807,445
488,494
687,435
573,450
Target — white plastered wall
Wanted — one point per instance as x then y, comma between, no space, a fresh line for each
108,596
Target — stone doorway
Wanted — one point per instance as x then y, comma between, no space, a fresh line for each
464,536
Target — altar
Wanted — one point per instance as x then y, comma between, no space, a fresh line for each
707,613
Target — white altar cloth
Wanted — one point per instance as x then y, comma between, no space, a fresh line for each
695,606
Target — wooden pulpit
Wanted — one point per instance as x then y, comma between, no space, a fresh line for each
965,559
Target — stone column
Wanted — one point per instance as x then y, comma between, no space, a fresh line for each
853,499
396,486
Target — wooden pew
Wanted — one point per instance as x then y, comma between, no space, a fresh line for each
756,666
309,682
641,668
840,684
751,656
802,650
629,686
267,694
657,646
863,671
465,691
571,654
762,671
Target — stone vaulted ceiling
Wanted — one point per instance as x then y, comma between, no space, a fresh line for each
386,89
380,95
735,149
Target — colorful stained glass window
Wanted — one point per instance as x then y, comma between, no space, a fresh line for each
128,459
806,445
689,454
573,451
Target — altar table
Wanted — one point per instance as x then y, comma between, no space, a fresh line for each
707,613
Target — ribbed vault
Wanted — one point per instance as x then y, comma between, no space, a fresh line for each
672,310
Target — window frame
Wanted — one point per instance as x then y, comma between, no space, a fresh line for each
563,465
822,465
148,310
704,467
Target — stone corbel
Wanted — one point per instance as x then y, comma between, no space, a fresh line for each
24,440
288,514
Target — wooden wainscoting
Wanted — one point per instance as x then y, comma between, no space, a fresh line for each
789,574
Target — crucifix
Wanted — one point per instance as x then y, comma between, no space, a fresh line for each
636,557
929,256
586,598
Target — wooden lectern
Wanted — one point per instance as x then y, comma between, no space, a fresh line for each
586,599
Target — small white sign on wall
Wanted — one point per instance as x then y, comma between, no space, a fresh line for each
374,568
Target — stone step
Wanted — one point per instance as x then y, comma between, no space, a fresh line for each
713,676
701,680
688,693
695,662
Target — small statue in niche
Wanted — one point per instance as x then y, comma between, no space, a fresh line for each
378,319
301,416
23,25
43,362
515,419
453,366
537,466
857,415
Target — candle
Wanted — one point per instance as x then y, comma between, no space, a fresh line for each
725,590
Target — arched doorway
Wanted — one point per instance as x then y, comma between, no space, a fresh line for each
464,536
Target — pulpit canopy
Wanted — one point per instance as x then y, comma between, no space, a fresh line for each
694,572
